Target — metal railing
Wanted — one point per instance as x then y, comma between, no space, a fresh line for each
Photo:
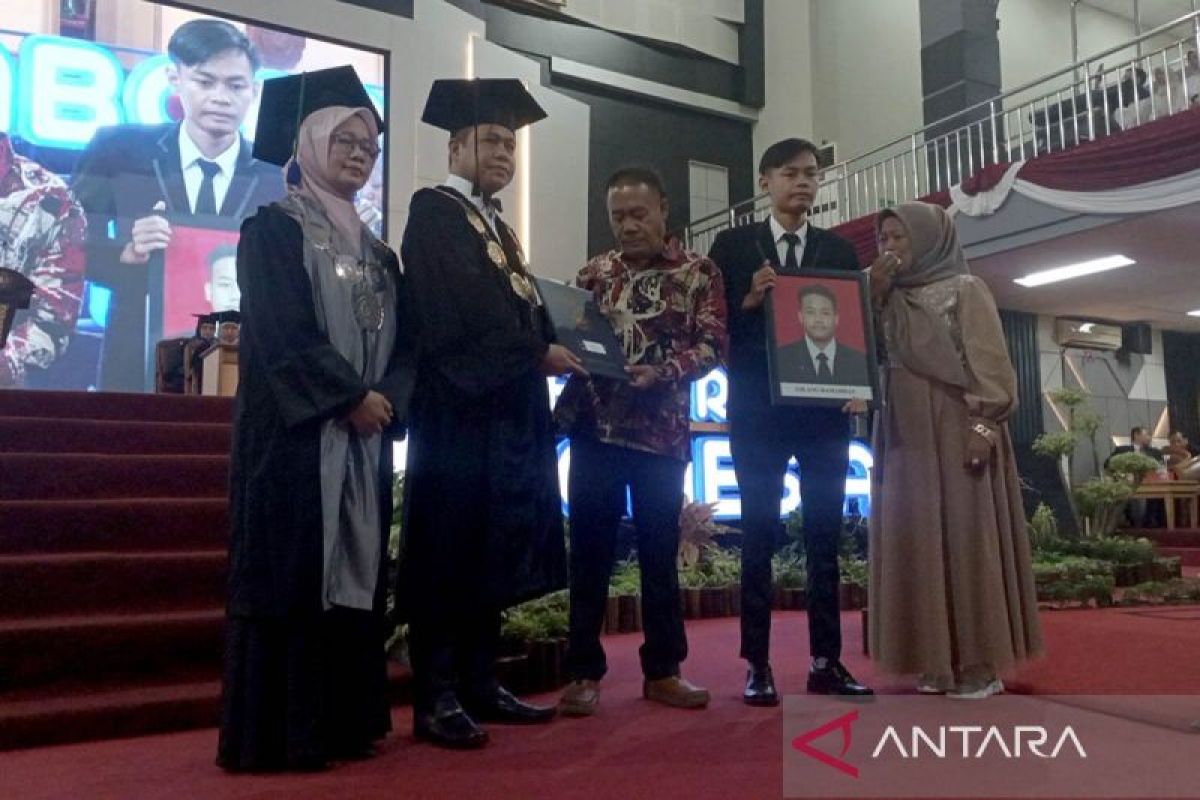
1053,113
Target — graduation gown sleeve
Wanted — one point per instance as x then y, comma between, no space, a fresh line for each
308,378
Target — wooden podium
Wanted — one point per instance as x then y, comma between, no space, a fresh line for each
220,375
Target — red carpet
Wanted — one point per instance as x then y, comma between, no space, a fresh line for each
632,749
112,563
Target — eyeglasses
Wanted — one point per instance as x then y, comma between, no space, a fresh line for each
348,143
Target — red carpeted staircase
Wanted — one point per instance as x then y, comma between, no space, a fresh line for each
113,528
113,534
1181,542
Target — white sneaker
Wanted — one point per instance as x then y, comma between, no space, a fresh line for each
934,684
977,691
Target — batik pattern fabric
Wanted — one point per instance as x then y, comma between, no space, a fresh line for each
670,315
42,232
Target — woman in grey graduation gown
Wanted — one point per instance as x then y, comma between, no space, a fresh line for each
325,380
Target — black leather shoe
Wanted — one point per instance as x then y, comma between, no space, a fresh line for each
502,707
834,678
760,687
449,726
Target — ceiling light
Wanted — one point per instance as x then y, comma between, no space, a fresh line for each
1075,270
1195,313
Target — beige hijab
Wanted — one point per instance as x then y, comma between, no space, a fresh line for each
312,156
920,337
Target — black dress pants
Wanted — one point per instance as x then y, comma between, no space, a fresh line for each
761,442
598,479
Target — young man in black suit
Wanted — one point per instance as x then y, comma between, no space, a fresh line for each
763,437
820,357
137,178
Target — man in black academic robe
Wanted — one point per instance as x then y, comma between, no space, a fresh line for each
134,181
483,525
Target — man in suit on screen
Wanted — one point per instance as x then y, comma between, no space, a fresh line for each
133,180
819,357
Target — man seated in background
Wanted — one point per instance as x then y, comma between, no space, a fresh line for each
1141,512
1178,452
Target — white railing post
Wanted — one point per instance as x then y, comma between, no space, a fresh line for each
1087,93
995,135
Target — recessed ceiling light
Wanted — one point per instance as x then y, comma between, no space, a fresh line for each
1075,270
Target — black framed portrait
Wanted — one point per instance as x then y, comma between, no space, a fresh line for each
820,339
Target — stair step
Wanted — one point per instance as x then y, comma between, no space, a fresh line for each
52,476
45,585
74,712
1179,537
43,650
115,405
135,524
1188,556
45,435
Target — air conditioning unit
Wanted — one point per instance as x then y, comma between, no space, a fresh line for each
827,154
1087,335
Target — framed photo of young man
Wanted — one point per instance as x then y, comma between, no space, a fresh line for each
820,340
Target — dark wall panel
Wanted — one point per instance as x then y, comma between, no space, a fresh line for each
626,130
403,8
674,66
1020,333
1181,361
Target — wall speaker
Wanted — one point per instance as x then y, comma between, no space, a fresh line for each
1136,338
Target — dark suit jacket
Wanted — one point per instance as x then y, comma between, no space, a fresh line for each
739,253
849,365
1153,452
124,171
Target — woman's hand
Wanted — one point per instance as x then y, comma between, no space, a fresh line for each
981,440
371,415
881,274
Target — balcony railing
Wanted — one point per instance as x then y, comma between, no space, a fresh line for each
1053,113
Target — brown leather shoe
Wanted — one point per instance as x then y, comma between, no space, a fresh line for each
579,699
675,691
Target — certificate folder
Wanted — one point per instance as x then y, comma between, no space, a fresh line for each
581,328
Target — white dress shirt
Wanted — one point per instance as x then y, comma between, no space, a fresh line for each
830,351
463,187
193,176
781,247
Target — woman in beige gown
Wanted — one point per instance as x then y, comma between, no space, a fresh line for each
952,595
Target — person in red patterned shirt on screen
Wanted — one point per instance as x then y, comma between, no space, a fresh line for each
667,306
41,236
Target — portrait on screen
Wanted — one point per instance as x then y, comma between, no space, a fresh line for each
142,135
820,342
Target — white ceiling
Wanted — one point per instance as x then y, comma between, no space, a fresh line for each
1160,288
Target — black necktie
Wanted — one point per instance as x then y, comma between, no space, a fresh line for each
206,200
792,260
823,370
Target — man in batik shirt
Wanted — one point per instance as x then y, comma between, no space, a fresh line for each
667,306
41,236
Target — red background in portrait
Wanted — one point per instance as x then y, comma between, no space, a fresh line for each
787,305
186,272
